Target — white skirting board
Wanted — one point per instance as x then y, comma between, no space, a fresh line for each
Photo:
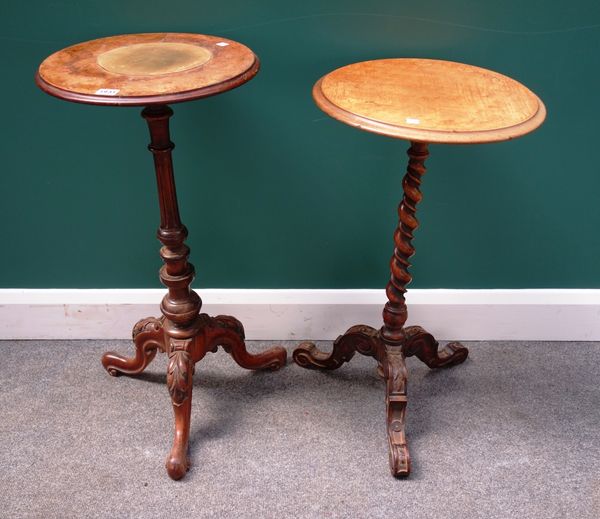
526,314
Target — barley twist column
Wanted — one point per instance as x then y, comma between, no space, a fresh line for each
394,312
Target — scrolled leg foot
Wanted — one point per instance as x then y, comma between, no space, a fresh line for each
399,460
424,346
360,338
228,332
148,337
396,399
180,373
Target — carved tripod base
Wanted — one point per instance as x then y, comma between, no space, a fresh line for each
151,335
368,341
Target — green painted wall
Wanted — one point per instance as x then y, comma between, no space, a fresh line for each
276,194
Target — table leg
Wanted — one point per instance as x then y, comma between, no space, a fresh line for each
393,342
183,332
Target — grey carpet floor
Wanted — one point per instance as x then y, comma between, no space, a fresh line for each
513,432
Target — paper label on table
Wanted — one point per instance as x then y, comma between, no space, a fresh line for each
107,91
412,120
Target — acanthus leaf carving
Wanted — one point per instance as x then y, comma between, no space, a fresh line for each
179,371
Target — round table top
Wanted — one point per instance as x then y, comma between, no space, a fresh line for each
146,69
427,100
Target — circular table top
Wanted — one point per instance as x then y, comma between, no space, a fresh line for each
146,69
429,100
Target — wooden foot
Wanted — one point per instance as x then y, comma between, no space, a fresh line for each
148,337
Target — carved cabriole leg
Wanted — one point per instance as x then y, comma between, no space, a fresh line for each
181,305
180,372
361,338
148,337
424,346
228,332
396,377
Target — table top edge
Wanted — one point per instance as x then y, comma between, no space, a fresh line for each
149,100
425,135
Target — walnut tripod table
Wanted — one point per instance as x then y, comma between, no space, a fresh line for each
153,70
423,101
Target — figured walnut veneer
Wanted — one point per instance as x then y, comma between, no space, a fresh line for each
147,69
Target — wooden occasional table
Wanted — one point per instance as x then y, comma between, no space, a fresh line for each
423,101
153,70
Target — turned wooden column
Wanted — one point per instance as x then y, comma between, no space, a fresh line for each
181,305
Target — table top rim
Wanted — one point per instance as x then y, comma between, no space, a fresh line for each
422,134
154,99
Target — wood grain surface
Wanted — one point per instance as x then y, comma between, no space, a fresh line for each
428,100
147,69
